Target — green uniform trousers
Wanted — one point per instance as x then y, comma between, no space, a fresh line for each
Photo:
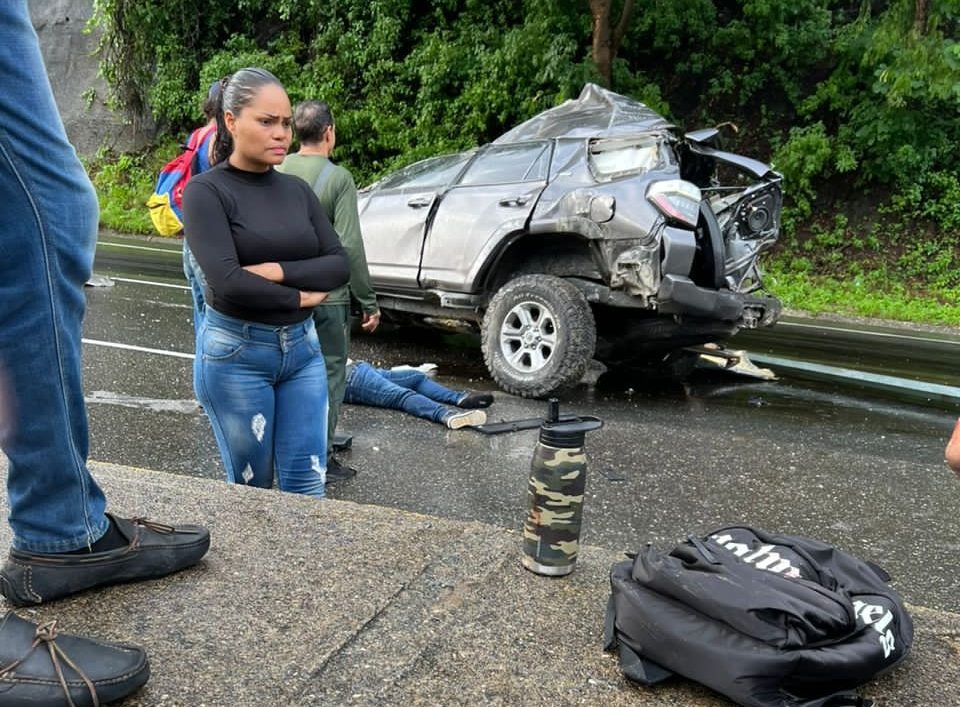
333,330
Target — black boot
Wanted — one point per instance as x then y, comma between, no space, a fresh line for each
337,471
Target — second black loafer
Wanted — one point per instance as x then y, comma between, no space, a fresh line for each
41,667
153,550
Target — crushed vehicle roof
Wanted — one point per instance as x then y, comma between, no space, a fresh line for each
596,112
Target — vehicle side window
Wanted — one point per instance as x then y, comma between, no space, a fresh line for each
435,172
567,155
510,163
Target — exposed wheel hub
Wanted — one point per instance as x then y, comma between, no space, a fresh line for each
530,337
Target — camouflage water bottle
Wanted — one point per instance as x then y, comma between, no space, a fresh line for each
558,478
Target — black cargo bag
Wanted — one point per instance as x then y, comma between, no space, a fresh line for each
767,620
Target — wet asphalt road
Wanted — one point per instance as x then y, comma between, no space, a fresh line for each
819,459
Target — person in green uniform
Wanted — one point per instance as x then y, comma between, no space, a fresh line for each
337,192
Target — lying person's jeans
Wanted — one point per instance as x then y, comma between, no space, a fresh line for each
410,391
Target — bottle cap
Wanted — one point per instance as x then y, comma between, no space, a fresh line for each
570,433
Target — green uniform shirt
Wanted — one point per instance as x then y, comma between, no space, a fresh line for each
338,196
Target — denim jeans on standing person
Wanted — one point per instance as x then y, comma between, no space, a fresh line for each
264,389
48,231
197,282
410,391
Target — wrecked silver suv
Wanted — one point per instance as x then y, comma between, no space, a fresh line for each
592,230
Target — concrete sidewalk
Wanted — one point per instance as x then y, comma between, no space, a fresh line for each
302,602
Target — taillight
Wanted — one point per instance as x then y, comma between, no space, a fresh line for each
677,200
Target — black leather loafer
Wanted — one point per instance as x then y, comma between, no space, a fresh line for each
40,667
153,550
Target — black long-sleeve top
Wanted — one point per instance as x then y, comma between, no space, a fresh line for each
234,218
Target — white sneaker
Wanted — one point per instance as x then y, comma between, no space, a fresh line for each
469,418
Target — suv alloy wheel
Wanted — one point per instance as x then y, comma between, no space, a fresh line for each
538,335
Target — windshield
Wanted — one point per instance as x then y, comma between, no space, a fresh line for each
612,158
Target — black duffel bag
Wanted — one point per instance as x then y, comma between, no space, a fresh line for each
767,620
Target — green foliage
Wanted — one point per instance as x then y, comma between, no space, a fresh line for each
877,295
881,270
892,100
934,196
935,261
804,160
124,182
151,52
769,48
717,60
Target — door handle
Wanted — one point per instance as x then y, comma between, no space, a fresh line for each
419,202
515,201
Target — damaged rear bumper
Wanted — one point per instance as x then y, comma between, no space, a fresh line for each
680,295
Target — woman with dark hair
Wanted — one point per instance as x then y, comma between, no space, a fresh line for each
269,255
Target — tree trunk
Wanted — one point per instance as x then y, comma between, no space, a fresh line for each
606,37
602,39
921,12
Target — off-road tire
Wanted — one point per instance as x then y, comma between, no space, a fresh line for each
573,330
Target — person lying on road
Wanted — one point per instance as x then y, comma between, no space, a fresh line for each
415,393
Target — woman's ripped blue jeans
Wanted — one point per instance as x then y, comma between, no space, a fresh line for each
264,389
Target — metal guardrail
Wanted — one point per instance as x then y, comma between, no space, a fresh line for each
918,391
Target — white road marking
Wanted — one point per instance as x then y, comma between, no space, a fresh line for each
142,349
888,335
138,247
190,407
150,282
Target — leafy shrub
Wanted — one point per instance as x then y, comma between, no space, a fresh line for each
803,160
123,183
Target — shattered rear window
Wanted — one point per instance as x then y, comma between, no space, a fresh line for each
612,158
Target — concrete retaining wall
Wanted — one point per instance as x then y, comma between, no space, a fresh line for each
72,66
